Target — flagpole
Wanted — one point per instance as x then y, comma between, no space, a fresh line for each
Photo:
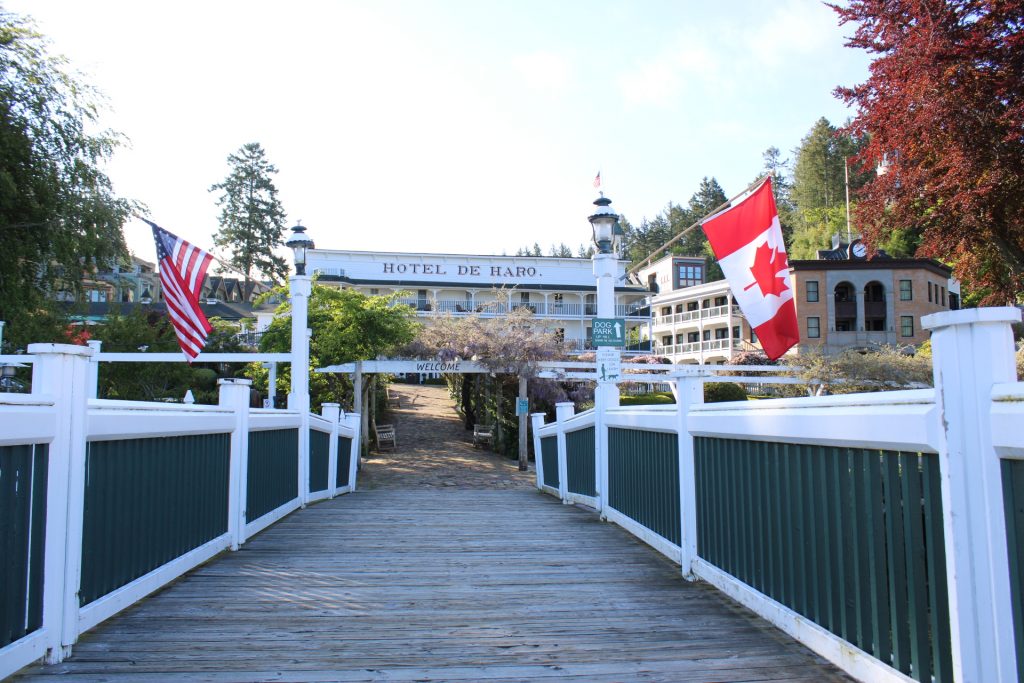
750,188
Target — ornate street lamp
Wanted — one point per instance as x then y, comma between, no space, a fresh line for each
605,223
299,243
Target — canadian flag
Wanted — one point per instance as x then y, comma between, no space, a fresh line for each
747,240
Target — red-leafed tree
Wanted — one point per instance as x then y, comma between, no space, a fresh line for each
944,105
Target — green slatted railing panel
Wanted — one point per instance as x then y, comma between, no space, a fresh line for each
273,477
344,460
849,538
579,459
319,460
1013,501
643,479
147,502
549,453
22,539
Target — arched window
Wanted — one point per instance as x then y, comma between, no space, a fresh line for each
846,307
874,307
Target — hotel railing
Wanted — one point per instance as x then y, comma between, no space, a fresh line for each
704,313
106,501
885,531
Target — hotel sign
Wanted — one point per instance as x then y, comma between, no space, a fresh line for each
459,270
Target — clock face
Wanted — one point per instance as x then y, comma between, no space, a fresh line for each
859,250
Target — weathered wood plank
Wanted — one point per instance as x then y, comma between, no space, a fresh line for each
454,585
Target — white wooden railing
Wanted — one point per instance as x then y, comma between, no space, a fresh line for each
965,434
59,425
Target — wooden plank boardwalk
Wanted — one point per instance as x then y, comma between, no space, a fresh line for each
438,584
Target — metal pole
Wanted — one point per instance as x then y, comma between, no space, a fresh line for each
846,174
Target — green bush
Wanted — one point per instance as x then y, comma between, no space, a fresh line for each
717,392
657,398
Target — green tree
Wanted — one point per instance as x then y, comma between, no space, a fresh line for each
347,326
251,216
651,235
59,215
151,331
818,192
561,251
777,169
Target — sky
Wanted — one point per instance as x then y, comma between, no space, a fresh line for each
448,126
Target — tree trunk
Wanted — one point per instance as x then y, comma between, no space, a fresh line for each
499,432
468,409
523,461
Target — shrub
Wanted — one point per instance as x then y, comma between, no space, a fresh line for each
717,392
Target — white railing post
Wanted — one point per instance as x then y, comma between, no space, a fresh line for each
354,422
332,413
972,350
601,452
92,381
689,391
61,371
537,422
235,394
563,411
300,289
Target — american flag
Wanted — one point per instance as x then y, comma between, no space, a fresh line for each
182,270
597,179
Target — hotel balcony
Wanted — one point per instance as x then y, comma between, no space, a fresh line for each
694,350
636,310
705,314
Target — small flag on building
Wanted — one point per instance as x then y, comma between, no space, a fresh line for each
182,270
747,241
597,179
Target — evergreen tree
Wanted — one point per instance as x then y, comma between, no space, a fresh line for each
777,169
819,187
251,216
561,251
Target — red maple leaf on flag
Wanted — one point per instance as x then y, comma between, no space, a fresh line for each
768,261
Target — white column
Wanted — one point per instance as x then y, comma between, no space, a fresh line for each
354,421
689,391
563,411
234,394
272,384
93,379
298,399
332,413
972,350
605,270
537,421
60,371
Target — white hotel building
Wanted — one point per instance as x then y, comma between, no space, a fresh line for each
694,322
559,291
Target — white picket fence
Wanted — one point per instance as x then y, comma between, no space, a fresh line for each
918,495
73,563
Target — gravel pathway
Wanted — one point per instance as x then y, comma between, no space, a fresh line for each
435,451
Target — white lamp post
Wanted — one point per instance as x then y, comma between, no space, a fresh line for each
605,224
301,286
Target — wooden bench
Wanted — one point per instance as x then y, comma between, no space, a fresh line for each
385,435
394,401
483,435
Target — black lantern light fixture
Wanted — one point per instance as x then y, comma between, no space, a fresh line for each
605,223
299,243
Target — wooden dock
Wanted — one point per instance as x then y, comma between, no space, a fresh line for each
438,585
